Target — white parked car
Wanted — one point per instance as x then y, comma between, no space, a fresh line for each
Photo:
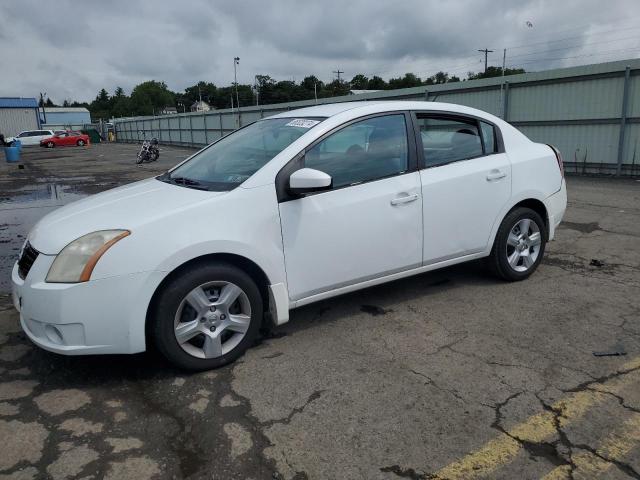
32,137
289,210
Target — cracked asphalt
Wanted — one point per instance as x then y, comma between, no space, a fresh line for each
450,374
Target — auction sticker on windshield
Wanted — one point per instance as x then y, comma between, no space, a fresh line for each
302,122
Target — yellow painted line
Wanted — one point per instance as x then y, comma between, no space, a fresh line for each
537,428
615,446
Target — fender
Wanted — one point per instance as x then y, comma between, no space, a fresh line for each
513,201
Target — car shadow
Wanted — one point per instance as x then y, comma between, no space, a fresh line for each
380,299
54,370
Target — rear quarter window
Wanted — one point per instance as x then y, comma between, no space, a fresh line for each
489,138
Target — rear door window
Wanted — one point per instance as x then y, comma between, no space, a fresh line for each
446,140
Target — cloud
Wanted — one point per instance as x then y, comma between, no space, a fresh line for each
70,50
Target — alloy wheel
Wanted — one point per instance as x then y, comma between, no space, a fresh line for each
212,319
523,245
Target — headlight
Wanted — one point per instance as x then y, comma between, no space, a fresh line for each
76,261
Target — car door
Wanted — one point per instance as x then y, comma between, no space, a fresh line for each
466,181
40,135
369,224
28,138
70,139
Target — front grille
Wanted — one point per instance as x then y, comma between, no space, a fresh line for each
29,255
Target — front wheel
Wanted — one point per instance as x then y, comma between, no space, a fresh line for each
206,317
519,245
50,144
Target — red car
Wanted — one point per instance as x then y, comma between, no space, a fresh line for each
65,139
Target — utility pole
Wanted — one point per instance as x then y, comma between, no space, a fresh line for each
315,90
236,62
486,52
504,60
44,114
257,90
504,63
338,72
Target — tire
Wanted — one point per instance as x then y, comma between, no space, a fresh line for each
516,254
80,143
154,156
213,332
140,159
50,144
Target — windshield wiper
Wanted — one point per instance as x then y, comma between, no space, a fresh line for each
187,182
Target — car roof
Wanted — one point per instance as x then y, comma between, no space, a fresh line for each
331,109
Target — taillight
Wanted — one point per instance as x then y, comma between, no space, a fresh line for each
559,159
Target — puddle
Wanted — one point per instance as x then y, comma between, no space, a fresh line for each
19,212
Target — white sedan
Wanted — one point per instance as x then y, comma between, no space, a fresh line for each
32,137
289,210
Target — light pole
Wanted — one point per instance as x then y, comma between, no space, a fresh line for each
44,114
236,62
257,87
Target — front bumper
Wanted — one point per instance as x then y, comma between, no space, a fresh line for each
99,316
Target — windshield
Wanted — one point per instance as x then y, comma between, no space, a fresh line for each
230,161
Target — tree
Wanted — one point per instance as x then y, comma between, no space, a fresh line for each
359,82
205,90
150,97
494,72
101,106
336,88
118,93
409,80
311,84
377,83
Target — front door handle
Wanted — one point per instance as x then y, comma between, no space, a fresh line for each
495,175
404,199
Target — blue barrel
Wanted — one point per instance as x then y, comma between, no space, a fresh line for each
17,143
12,154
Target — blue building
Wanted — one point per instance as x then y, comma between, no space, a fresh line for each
65,118
18,114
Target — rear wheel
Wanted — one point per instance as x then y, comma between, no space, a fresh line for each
519,245
80,143
206,317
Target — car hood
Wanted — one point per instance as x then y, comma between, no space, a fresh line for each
125,207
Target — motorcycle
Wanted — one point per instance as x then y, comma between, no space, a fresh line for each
149,151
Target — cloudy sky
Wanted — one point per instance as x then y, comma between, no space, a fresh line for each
71,49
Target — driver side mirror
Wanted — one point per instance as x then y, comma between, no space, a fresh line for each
308,180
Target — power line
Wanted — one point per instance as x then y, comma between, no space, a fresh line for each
574,46
546,42
513,47
580,56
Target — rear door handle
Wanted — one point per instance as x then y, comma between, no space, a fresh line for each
404,199
495,175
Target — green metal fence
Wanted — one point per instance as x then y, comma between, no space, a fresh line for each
591,113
